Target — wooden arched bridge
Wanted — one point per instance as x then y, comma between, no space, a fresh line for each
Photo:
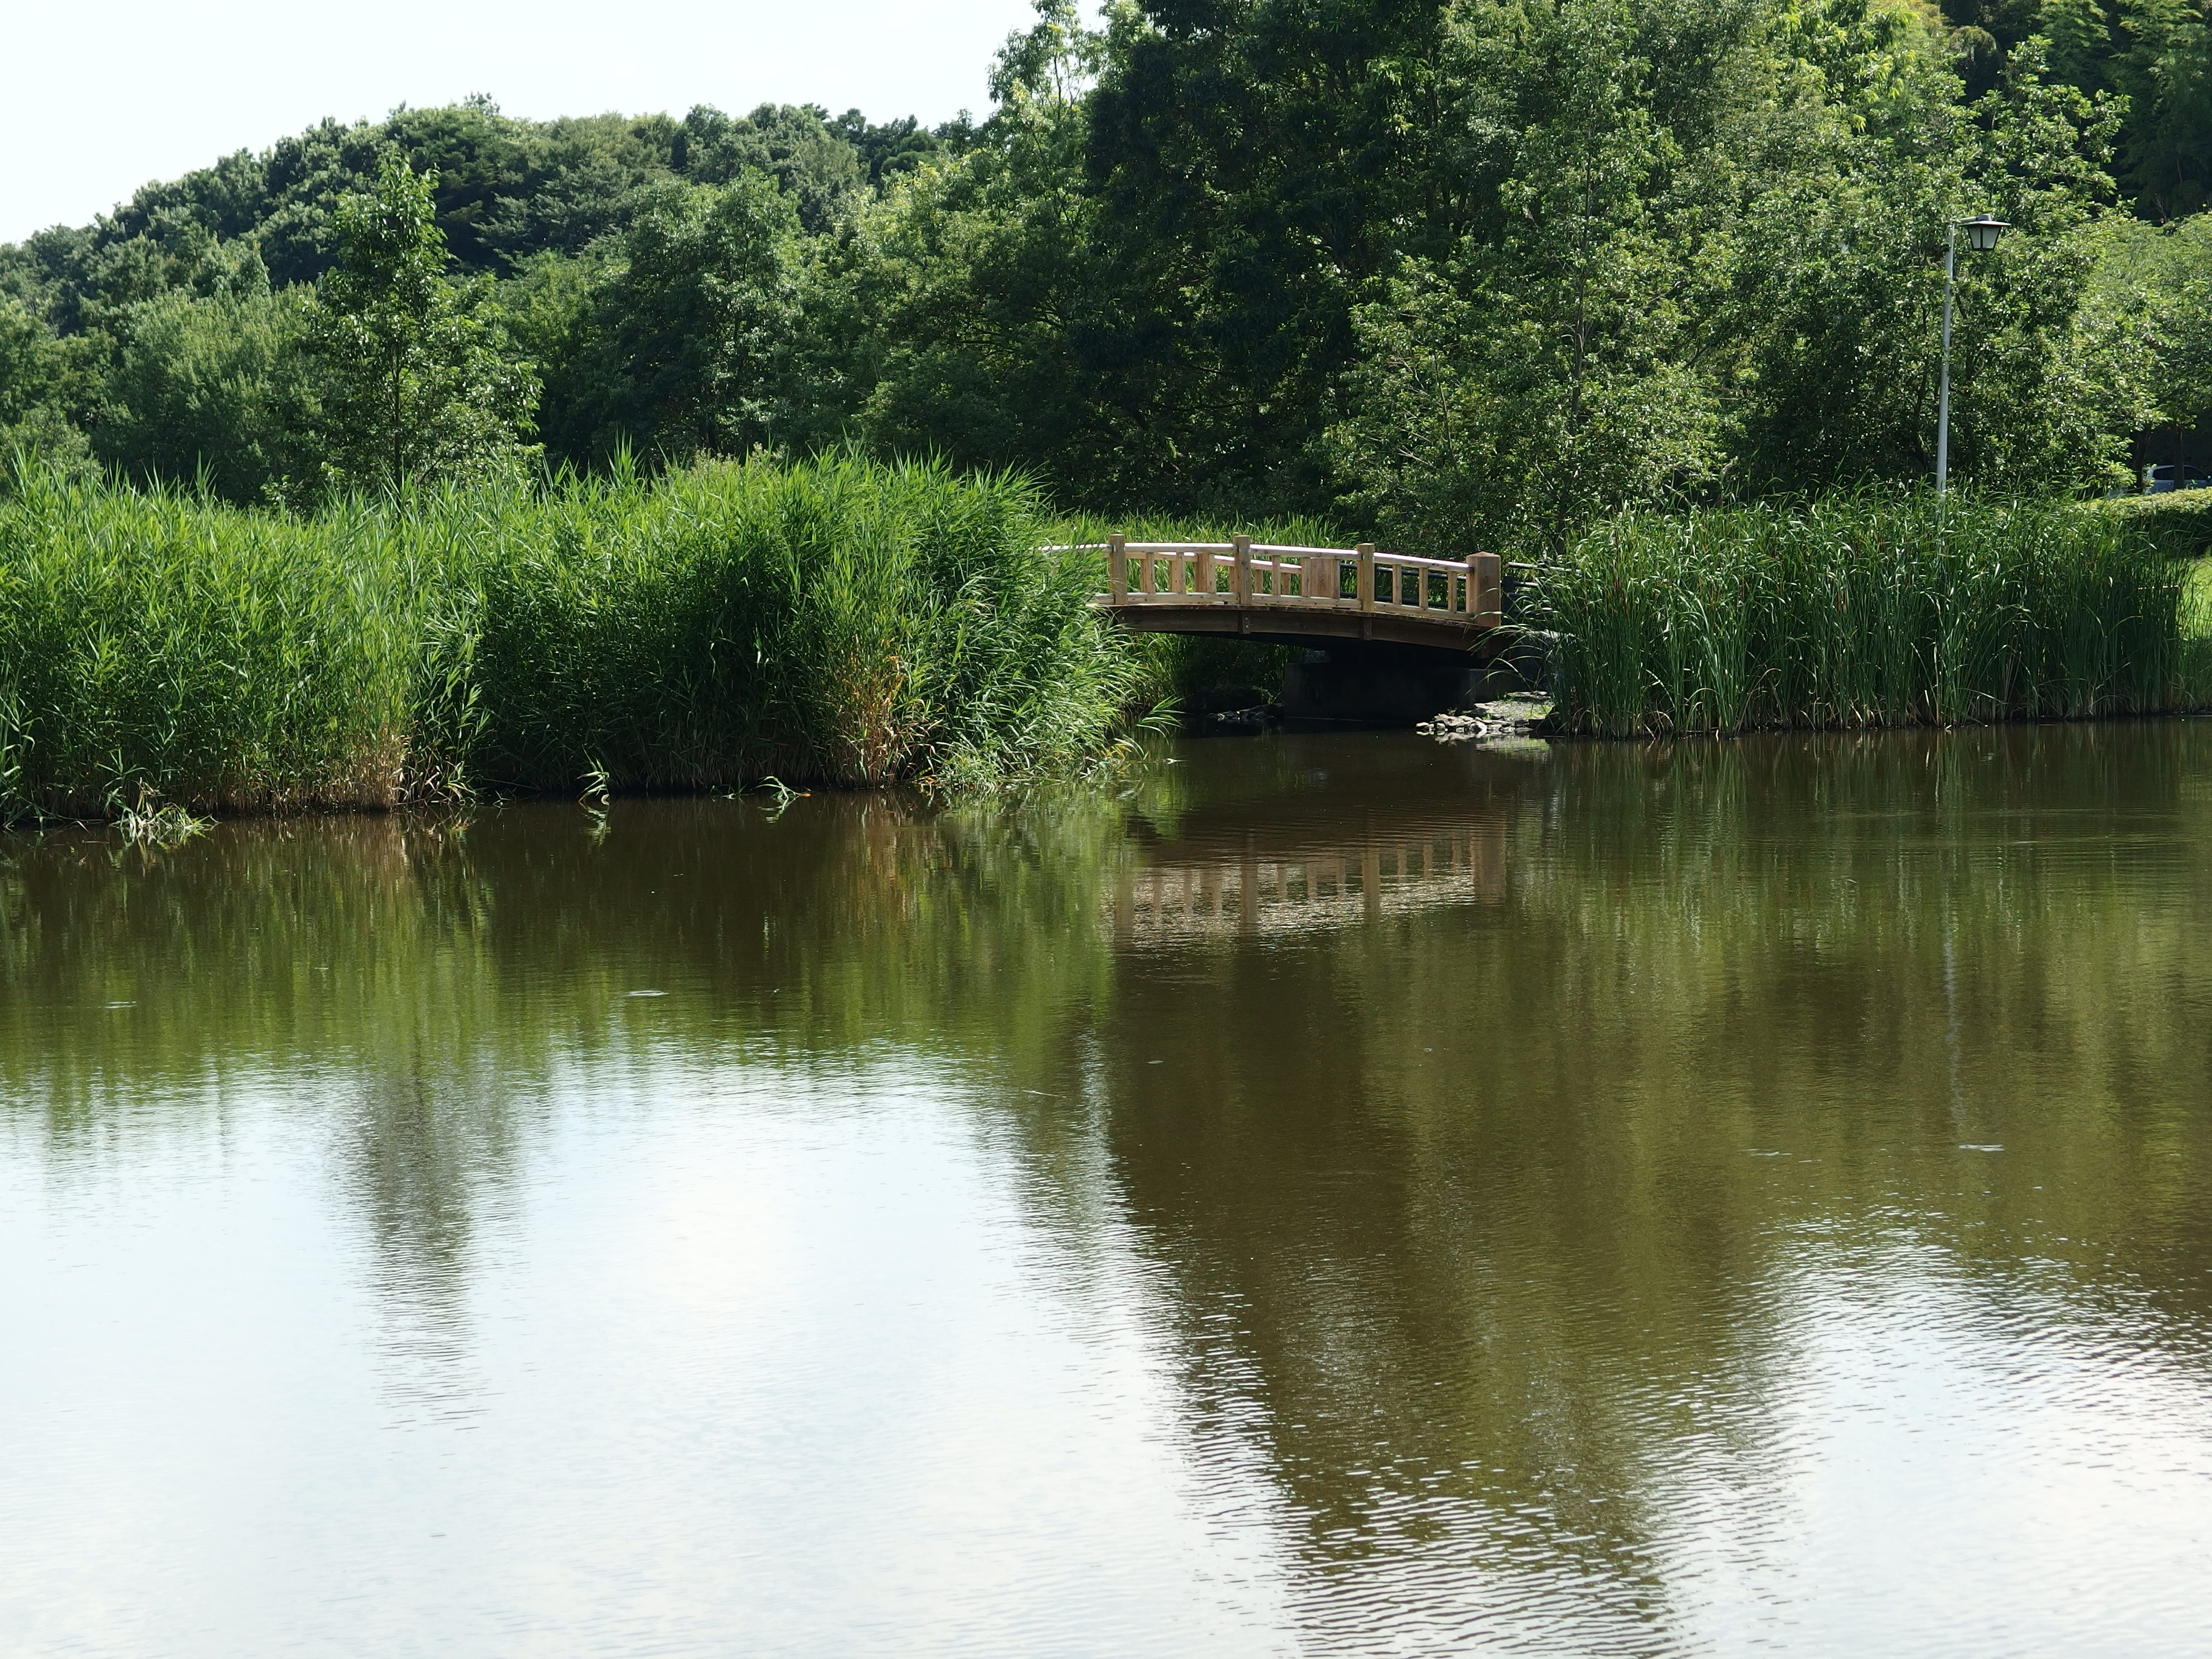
1297,595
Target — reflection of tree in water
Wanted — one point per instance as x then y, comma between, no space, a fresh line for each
419,1156
1471,1185
417,978
1488,1218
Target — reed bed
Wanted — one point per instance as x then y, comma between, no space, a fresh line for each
1859,612
836,621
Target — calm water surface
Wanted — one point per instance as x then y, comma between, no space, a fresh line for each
1350,1196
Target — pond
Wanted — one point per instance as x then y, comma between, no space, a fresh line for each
1342,1194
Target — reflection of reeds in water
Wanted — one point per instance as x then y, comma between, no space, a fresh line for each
1309,890
1509,1289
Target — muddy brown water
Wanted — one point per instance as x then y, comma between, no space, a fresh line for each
1347,1196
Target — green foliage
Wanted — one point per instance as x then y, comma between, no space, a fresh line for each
214,389
1862,612
2151,296
817,168
31,369
2166,70
946,322
413,381
1258,167
837,620
1675,293
2156,53
1472,273
41,379
677,349
155,643
840,621
2179,521
891,148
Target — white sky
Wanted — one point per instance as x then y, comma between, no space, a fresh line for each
99,97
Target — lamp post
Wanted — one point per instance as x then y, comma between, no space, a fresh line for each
1982,235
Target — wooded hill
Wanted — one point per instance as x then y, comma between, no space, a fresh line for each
1468,270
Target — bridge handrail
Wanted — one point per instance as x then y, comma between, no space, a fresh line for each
1171,576
1272,550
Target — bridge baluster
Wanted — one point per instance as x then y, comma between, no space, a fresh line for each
1486,588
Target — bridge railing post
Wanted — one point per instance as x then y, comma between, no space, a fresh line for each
1366,582
1117,567
1243,580
1486,588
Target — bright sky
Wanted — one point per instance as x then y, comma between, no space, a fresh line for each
96,99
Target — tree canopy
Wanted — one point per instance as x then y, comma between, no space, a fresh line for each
1454,268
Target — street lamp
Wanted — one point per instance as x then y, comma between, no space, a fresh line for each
1982,235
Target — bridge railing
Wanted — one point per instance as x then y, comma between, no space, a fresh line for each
1294,889
1246,575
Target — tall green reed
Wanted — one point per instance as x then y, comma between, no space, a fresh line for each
1859,612
150,644
837,620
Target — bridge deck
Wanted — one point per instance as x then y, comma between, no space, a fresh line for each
1298,593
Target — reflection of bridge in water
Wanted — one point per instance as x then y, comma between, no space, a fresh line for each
1185,892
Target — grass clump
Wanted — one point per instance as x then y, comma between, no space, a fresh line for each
1858,612
158,645
2180,521
836,621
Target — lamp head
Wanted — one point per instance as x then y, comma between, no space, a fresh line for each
1982,233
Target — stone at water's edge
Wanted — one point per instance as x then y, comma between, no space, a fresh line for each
1515,719
1523,714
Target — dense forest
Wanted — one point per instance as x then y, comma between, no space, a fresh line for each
1475,269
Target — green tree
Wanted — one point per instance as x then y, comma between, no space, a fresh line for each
1260,166
954,319
678,348
811,162
2082,42
42,380
1838,294
217,388
2150,303
413,379
1552,366
2166,73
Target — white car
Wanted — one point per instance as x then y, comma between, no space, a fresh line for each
2158,480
